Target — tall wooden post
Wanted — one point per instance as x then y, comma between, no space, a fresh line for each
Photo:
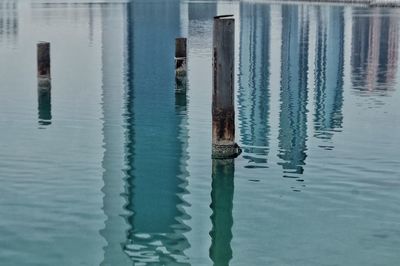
223,110
43,65
180,65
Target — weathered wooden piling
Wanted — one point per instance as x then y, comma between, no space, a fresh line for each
223,110
43,65
180,65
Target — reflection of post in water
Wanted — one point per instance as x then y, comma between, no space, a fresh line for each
294,69
44,106
221,205
181,102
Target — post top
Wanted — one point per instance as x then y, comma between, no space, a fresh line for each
223,17
43,42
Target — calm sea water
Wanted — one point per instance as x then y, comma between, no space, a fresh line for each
112,168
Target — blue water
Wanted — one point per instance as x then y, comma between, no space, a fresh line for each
112,168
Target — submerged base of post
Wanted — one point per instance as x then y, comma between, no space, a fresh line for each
225,151
180,74
44,83
44,106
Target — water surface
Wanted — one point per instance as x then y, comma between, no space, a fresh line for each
113,168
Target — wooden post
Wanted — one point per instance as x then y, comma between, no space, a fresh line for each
43,65
180,65
223,110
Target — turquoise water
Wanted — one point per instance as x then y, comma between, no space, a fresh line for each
112,168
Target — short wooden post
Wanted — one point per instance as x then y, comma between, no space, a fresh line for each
223,110
180,65
43,65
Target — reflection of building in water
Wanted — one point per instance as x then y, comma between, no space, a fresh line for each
329,60
200,25
223,172
375,51
114,36
8,20
155,149
202,11
294,68
253,97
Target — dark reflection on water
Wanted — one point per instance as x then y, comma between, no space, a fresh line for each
253,94
294,67
329,60
181,101
374,55
223,172
157,167
44,107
